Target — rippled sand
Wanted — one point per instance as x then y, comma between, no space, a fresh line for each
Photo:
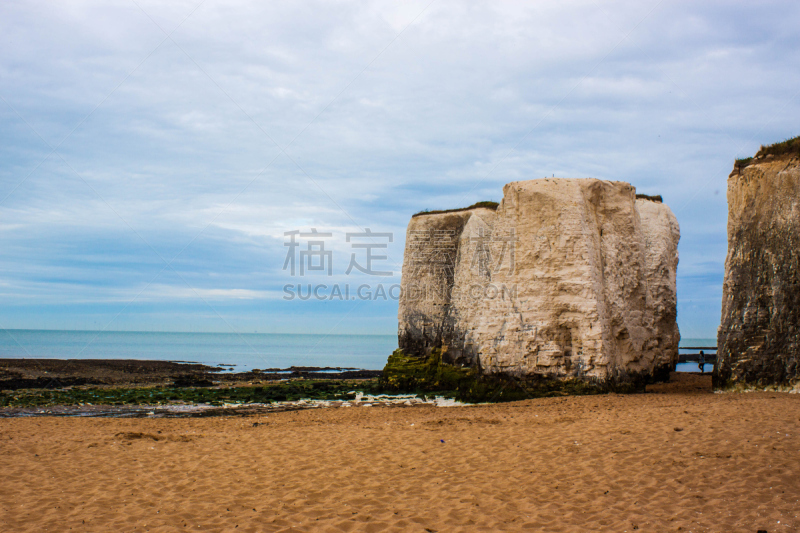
679,458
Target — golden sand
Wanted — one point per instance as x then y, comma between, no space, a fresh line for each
677,459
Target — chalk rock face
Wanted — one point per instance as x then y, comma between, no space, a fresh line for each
567,278
758,340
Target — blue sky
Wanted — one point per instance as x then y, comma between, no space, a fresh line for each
152,156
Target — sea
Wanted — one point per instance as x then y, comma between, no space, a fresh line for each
231,351
707,345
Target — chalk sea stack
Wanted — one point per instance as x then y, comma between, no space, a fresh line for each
758,340
566,280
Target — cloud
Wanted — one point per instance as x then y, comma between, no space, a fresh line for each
253,119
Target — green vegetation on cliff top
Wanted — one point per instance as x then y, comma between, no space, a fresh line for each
787,147
486,204
653,198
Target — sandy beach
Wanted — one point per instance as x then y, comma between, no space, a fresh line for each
679,458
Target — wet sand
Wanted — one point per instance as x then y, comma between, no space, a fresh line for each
677,459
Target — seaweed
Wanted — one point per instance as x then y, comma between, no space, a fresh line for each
403,374
430,375
285,391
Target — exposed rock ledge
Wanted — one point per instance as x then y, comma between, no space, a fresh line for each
759,336
568,279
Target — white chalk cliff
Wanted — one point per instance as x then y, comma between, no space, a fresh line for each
566,278
759,335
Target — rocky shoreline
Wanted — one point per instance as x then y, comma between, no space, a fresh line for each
17,374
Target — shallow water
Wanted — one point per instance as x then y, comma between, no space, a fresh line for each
694,367
203,410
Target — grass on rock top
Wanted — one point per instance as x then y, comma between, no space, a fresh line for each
787,147
485,204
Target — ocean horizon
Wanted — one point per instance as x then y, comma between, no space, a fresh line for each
235,351
239,352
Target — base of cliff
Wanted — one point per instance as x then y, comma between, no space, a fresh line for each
420,375
721,384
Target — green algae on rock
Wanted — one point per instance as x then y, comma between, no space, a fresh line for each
431,375
405,373
276,392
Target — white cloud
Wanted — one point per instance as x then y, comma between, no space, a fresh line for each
468,97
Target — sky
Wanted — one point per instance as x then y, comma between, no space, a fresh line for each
155,157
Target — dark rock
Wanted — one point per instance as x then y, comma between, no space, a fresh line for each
190,380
